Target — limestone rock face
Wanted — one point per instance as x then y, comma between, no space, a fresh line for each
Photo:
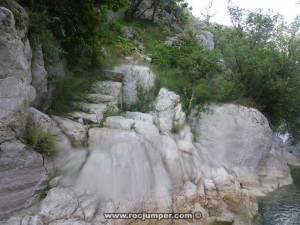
15,73
134,177
22,170
160,15
39,74
168,111
22,176
241,140
206,39
74,130
136,79
106,91
60,203
139,161
40,120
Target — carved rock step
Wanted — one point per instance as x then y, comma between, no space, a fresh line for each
111,88
74,130
99,98
97,109
84,118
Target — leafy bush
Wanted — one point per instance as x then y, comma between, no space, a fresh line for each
125,45
191,70
39,140
262,54
80,26
40,33
145,100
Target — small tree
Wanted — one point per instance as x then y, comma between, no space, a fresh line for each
263,55
208,14
196,63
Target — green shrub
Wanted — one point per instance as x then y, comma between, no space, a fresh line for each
44,192
39,140
40,33
176,128
126,46
262,54
111,110
191,70
145,100
80,26
73,88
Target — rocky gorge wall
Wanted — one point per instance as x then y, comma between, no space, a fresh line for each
23,82
214,161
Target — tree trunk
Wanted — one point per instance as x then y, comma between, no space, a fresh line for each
134,7
154,11
191,101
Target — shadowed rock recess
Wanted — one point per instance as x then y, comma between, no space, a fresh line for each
214,162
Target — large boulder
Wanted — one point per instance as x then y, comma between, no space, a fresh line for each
60,203
241,140
137,174
137,80
168,113
204,38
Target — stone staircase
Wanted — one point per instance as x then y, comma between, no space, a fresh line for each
103,96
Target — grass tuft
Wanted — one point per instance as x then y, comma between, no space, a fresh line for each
39,140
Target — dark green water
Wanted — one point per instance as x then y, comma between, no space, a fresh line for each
283,206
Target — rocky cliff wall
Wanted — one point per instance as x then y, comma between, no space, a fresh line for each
23,82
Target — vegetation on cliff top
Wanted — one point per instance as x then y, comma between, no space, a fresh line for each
255,62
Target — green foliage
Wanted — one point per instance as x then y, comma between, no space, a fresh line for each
111,110
191,70
17,11
44,192
39,140
176,128
126,46
40,33
145,101
171,6
150,33
81,26
262,53
73,88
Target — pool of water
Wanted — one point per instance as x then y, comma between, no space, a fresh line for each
283,206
